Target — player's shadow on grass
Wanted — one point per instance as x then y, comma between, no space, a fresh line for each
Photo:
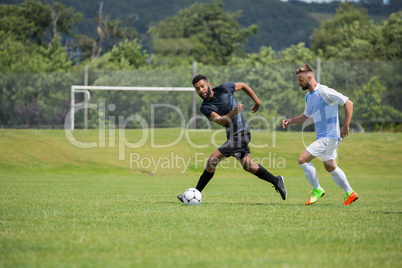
227,203
386,212
211,203
278,204
260,204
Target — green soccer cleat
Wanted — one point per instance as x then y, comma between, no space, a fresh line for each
315,195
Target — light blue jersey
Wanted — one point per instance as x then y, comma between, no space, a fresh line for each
322,106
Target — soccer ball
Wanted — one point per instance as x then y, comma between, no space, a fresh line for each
192,197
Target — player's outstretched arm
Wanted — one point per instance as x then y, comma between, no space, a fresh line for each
247,89
348,117
225,119
298,119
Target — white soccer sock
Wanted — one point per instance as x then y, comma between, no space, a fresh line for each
340,179
311,174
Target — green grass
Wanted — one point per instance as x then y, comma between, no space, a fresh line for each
63,206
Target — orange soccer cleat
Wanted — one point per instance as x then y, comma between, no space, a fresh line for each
350,198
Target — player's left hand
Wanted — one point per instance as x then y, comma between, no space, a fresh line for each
255,107
344,131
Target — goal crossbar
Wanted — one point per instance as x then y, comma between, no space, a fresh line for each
85,90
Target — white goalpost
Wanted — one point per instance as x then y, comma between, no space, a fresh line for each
86,91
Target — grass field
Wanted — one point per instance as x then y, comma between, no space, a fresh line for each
65,206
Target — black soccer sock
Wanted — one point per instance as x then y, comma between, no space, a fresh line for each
263,174
204,179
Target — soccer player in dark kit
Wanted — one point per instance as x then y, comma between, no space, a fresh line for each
220,106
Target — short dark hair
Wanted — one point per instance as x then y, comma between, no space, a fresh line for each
198,78
304,69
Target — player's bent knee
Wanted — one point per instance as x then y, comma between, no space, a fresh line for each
210,167
247,168
301,160
330,166
213,162
250,167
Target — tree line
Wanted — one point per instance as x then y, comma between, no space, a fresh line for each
33,40
34,37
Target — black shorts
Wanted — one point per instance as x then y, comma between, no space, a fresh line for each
237,145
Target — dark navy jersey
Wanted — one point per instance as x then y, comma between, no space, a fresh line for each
222,103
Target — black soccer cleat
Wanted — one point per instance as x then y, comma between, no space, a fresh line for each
280,187
180,197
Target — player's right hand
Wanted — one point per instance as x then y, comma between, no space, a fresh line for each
285,122
238,108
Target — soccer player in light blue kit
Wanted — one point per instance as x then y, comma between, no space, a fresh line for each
322,105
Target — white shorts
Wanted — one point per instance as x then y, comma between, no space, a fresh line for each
324,148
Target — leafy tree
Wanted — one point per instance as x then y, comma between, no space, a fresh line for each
280,23
116,31
390,41
294,54
63,19
15,57
265,56
158,61
124,56
110,30
202,31
129,54
22,30
298,54
351,36
336,34
368,100
369,104
83,46
27,22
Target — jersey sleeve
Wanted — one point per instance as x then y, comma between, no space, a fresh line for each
207,111
229,87
307,111
331,95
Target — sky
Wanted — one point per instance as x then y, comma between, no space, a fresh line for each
327,1
319,1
